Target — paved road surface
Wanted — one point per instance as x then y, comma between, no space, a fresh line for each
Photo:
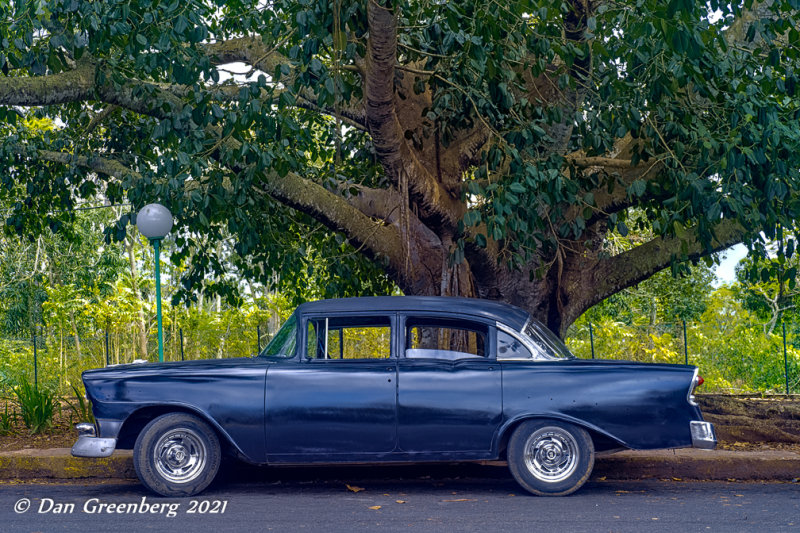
438,504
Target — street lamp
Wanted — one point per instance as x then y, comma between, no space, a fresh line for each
155,222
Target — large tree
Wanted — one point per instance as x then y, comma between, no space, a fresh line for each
470,147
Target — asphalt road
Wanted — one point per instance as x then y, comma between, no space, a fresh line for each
421,503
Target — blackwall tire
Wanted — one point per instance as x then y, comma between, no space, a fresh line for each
177,454
550,458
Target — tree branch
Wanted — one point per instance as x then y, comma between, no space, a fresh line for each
148,98
607,202
101,165
250,50
335,212
253,51
382,240
634,266
62,88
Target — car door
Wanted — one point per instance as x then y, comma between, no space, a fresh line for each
449,387
338,400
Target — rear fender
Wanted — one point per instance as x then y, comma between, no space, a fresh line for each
602,439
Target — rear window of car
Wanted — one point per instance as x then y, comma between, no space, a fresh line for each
550,346
437,338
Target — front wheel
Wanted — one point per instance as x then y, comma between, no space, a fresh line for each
550,458
177,454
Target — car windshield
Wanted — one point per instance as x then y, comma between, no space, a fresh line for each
283,343
552,346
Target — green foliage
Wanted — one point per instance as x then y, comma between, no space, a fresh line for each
662,298
80,406
76,257
715,107
8,419
16,362
36,406
706,93
768,287
726,341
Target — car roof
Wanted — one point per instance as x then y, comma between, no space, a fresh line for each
509,315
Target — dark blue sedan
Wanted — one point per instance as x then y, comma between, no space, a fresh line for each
392,379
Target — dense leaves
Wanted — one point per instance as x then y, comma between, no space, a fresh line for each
515,139
730,345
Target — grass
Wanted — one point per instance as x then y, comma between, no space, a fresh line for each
8,419
81,406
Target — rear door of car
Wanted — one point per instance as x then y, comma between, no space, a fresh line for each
449,386
337,401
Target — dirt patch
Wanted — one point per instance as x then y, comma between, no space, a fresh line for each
61,434
753,422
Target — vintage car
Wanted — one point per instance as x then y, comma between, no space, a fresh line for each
392,379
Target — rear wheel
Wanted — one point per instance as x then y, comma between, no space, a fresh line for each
177,454
550,458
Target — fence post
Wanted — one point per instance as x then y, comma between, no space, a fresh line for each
107,360
258,337
181,332
785,362
591,339
685,347
35,364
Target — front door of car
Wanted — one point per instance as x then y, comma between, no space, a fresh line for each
449,389
338,402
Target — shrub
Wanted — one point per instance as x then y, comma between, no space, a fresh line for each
8,420
81,406
36,406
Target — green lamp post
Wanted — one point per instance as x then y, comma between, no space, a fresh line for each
155,222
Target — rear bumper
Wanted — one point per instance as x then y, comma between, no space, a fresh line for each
88,445
703,435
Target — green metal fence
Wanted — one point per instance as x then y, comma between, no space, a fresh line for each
58,360
734,360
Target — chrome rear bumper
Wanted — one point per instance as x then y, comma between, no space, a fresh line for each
89,445
703,435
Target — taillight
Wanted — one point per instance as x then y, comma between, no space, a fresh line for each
699,381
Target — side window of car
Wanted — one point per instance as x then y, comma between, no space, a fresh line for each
439,338
509,347
349,338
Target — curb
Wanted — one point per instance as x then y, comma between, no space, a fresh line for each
682,464
58,463
691,464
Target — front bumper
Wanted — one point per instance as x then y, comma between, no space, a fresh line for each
89,445
703,435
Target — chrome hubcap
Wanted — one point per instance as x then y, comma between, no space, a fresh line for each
551,454
180,455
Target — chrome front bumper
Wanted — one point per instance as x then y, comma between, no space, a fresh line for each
703,435
89,445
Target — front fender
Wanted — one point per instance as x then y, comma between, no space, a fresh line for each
228,394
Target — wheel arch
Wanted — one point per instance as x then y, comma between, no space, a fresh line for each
602,440
137,420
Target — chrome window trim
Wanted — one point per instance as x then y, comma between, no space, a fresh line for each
541,331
